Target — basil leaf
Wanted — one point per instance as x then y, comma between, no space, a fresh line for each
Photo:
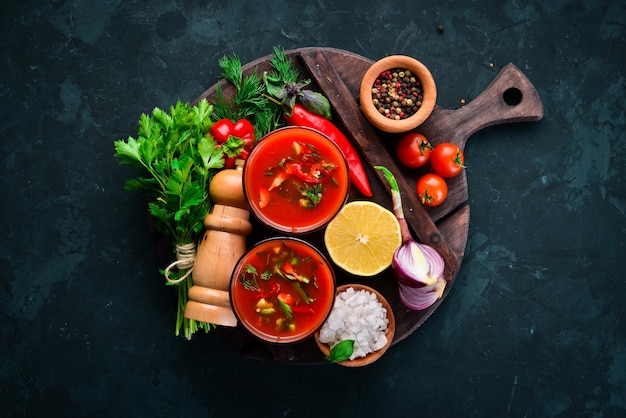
275,86
341,351
316,103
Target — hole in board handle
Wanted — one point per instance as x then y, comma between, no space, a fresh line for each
512,96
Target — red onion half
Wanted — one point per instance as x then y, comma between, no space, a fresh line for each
418,268
417,265
418,298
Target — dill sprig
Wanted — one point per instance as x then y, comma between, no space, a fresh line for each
283,66
248,101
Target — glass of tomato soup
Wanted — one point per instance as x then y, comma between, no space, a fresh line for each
296,180
282,290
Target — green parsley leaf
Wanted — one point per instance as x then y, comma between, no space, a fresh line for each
177,160
209,153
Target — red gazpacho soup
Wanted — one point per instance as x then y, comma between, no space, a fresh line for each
296,180
282,290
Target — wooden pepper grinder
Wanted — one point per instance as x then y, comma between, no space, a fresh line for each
224,242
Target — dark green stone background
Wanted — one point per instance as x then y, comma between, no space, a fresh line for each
535,325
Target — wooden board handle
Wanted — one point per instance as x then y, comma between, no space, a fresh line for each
510,97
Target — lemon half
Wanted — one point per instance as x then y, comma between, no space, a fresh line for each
362,238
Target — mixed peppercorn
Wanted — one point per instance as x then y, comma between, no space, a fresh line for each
397,93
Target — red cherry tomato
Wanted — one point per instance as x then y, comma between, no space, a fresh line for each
431,189
286,298
413,150
447,160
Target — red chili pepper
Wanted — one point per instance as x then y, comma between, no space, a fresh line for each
302,117
288,269
286,298
302,310
274,288
229,162
310,172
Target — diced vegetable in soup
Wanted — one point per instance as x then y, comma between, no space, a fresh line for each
282,289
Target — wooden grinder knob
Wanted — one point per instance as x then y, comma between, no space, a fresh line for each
224,242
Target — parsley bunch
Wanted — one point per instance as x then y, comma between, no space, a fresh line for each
177,158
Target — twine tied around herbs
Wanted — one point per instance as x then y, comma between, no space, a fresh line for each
185,258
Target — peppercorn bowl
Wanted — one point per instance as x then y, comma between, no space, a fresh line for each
397,94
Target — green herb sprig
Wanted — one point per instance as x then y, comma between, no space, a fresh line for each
283,87
177,157
341,351
177,160
248,102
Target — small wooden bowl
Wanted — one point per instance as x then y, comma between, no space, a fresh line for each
428,85
391,329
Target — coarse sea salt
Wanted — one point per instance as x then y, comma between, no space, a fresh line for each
356,315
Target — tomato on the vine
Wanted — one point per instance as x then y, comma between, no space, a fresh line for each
447,160
413,150
431,189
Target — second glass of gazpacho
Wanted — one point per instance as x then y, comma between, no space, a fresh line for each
282,290
296,180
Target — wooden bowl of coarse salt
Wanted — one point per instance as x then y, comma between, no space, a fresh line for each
372,337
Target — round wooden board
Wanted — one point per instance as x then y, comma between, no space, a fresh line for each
337,74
